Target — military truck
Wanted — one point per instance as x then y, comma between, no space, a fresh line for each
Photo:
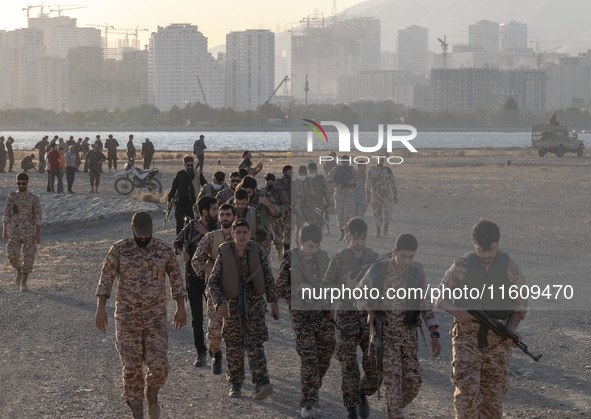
555,139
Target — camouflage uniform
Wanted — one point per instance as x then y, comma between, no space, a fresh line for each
224,195
360,196
264,235
140,309
343,178
95,160
23,214
42,147
277,222
307,206
200,259
324,197
257,333
352,329
314,332
285,184
111,145
400,364
380,184
480,375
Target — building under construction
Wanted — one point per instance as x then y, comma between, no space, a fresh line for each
323,50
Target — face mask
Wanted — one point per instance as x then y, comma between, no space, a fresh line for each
216,186
302,177
142,242
312,175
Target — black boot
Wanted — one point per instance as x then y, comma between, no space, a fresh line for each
363,407
352,413
216,363
200,360
285,248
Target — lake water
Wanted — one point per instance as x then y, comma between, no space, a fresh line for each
278,141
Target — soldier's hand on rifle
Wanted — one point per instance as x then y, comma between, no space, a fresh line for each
186,256
200,228
223,310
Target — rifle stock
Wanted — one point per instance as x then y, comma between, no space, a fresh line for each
500,329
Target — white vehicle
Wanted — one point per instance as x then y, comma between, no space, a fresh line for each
131,177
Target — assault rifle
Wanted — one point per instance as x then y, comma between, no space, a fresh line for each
377,339
168,212
243,313
187,246
500,329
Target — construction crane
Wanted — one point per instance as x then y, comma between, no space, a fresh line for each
28,9
285,80
136,30
201,88
538,54
444,46
59,9
106,28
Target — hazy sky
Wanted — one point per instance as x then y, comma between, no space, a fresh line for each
214,18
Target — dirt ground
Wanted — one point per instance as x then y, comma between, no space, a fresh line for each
55,364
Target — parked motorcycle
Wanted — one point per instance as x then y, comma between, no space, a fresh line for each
131,177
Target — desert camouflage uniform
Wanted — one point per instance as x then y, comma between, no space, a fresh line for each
140,309
264,235
360,197
352,331
214,320
277,223
257,333
306,205
23,214
224,195
380,183
480,376
401,370
343,178
314,332
285,184
324,196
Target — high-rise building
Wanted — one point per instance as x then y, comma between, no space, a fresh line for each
323,52
178,63
484,36
60,34
413,49
250,68
513,37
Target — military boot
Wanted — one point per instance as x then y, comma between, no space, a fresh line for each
262,390
19,276
235,391
386,230
24,282
216,363
151,394
378,231
200,360
363,407
352,413
137,409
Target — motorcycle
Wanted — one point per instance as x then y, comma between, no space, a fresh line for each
131,177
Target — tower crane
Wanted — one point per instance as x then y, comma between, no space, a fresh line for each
59,9
538,54
136,30
201,88
28,9
106,28
444,46
285,79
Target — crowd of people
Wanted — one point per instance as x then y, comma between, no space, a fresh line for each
225,234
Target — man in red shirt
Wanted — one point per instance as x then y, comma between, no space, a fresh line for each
53,163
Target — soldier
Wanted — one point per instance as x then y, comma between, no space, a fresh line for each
226,194
266,207
10,153
246,164
306,203
27,163
400,319
130,151
240,276
199,150
99,143
22,227
328,165
258,233
70,141
278,221
185,244
70,158
343,176
111,145
380,190
147,153
85,148
324,194
202,263
184,185
360,195
345,270
285,184
215,186
2,155
42,147
481,358
140,264
95,160
305,266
